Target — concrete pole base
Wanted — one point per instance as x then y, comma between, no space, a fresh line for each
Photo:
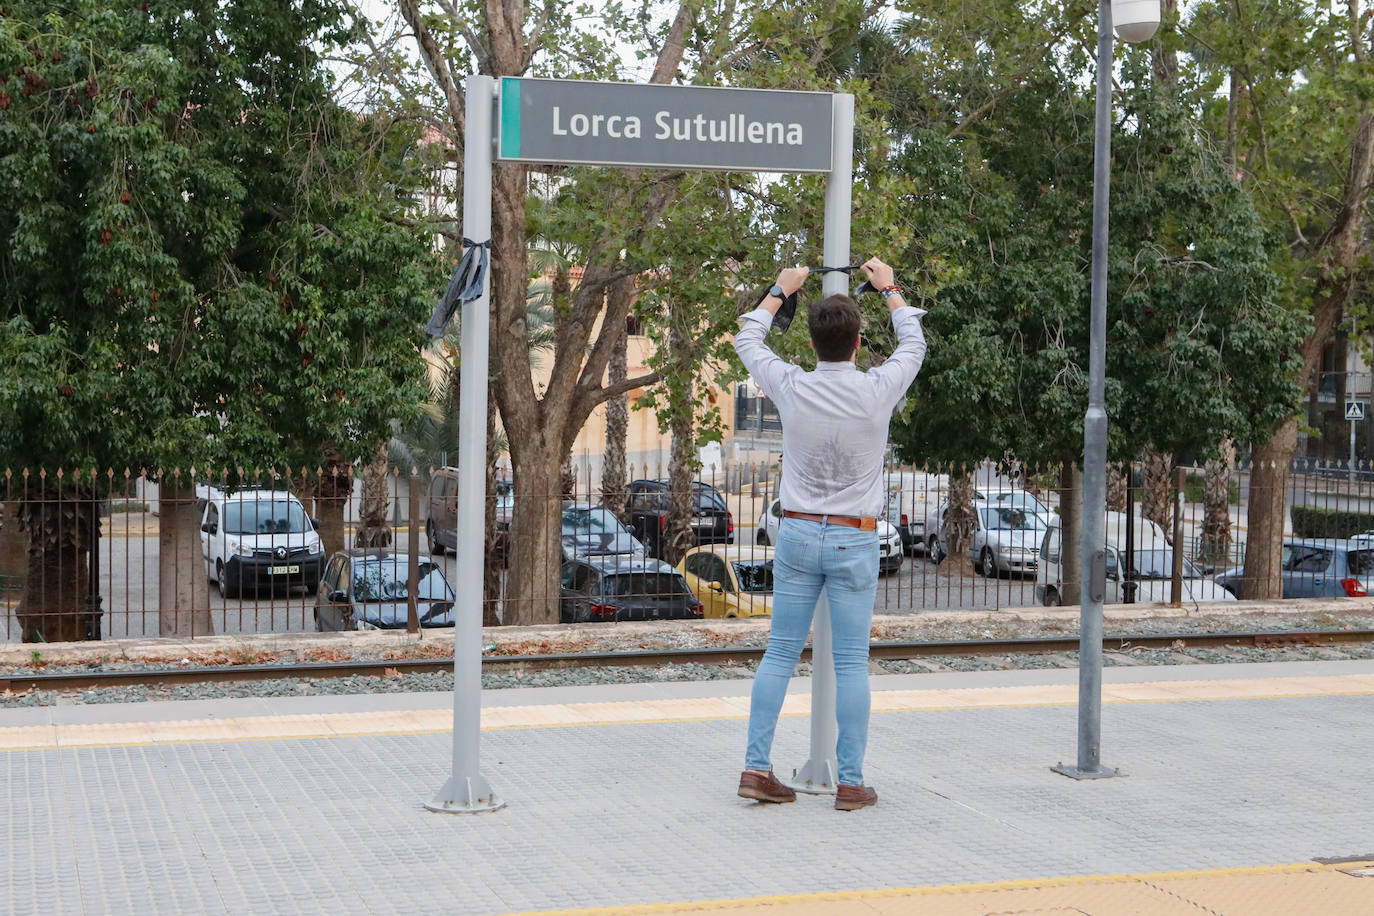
466,795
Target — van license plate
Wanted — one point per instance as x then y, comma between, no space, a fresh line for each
285,570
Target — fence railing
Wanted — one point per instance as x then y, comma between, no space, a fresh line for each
115,554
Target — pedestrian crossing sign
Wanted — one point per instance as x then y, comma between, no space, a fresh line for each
1354,410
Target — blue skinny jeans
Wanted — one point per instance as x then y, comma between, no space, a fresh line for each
844,561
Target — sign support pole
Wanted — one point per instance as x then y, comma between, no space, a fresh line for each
818,775
466,790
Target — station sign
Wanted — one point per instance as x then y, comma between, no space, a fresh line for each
577,122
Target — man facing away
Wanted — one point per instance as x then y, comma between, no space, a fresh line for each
834,432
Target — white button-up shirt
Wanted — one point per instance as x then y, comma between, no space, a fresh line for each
835,419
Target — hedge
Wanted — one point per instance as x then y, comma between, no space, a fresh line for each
1311,522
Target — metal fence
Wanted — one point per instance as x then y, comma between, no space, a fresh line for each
116,554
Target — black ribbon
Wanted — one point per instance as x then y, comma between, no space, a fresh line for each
788,310
464,286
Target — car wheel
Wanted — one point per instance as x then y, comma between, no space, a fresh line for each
989,563
435,548
1052,597
227,589
762,539
933,550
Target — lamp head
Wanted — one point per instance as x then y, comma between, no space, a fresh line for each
1135,20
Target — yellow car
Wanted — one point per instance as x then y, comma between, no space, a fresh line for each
731,580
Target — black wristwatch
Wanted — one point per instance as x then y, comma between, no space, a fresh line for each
776,291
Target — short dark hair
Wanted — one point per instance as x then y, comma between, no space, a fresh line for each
834,323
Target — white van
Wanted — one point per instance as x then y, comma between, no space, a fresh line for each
257,538
1152,571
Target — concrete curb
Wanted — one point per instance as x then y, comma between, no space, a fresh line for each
245,649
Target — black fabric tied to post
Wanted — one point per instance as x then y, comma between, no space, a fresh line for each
788,310
464,286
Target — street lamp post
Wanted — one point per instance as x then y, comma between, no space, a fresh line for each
1136,20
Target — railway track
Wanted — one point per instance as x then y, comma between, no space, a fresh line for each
85,680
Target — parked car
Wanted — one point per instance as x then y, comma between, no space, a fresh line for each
366,589
605,588
890,552
647,505
732,580
1151,569
595,531
1011,498
1317,568
441,512
256,538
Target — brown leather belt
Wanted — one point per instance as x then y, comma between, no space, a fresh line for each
863,523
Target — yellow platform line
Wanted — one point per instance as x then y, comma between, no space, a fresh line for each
1206,883
645,712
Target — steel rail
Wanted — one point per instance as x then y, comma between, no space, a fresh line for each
83,680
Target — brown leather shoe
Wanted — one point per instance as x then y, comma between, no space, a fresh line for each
852,798
764,788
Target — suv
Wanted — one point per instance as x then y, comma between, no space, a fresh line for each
259,537
647,505
441,522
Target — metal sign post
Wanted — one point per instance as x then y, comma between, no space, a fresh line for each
577,122
818,774
1354,411
466,790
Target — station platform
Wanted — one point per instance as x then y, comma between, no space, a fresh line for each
1246,791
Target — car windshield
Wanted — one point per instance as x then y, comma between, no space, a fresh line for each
1023,501
382,580
1159,564
596,520
644,585
754,576
1003,518
265,516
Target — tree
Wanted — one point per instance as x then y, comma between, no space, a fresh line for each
618,211
199,239
1197,346
1298,125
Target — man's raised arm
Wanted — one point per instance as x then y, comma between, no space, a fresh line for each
766,367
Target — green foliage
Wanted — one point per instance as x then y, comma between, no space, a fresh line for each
1195,490
1198,349
198,261
1313,522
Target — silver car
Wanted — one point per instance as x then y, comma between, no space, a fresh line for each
1007,540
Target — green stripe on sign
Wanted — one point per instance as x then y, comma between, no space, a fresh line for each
510,117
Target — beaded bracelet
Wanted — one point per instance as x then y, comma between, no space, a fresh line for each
887,291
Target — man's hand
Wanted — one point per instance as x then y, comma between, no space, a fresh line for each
879,274
792,278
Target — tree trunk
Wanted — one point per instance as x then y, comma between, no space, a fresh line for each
1071,533
374,526
1267,513
1216,518
959,525
677,527
332,491
532,587
58,524
613,464
14,549
1116,488
1157,489
183,588
491,568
